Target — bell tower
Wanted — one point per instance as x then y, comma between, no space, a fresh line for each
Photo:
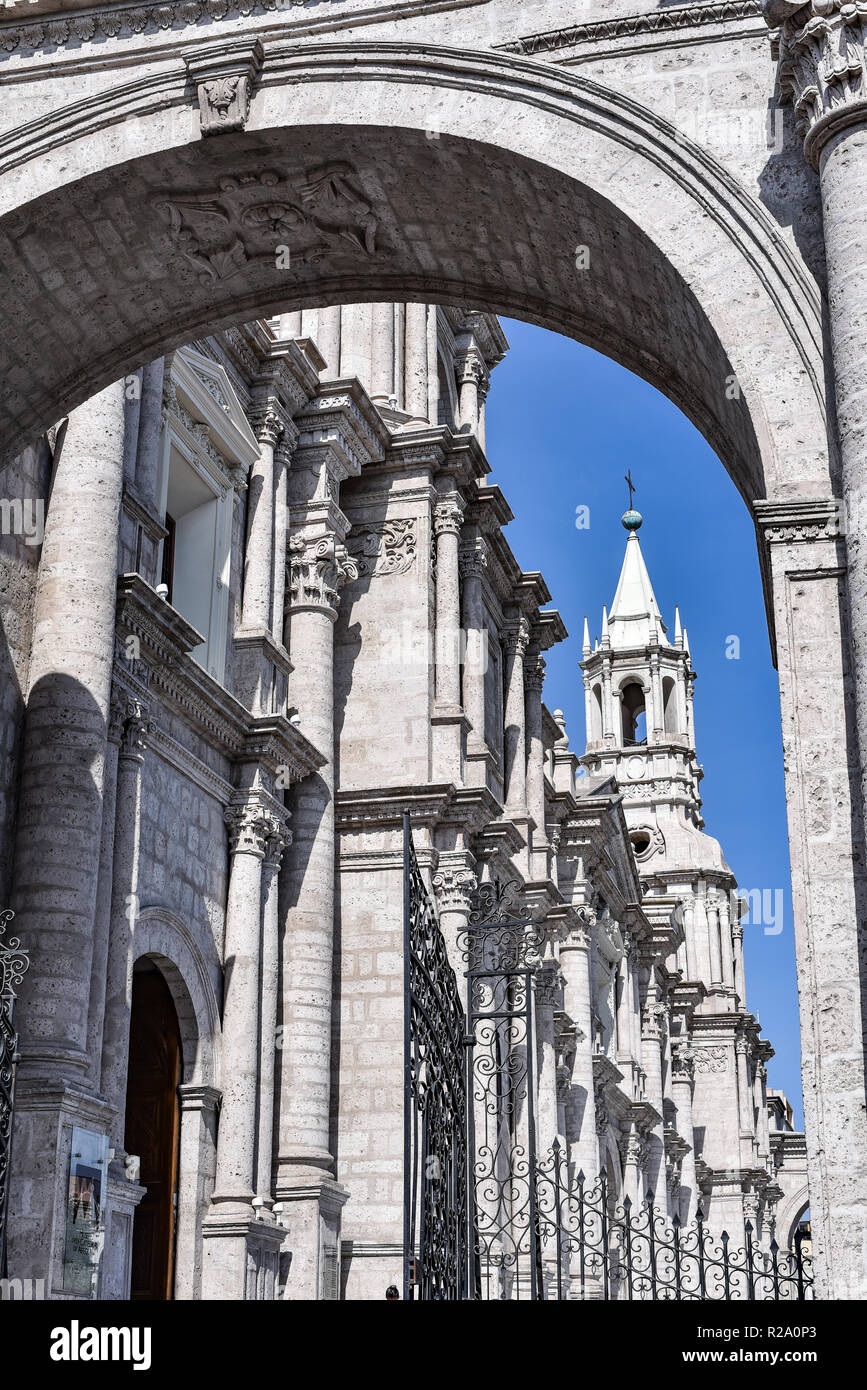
638,692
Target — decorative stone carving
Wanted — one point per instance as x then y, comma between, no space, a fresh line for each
473,560
389,548
516,639
239,225
655,842
267,425
534,672
249,827
548,983
279,836
454,888
448,516
317,571
822,65
136,729
225,78
710,1059
682,1060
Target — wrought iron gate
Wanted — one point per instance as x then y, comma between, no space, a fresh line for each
436,1169
486,1216
13,966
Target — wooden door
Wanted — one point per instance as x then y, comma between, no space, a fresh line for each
152,1129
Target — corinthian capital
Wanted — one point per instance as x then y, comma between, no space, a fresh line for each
448,516
473,559
267,424
454,885
516,639
318,568
249,826
534,671
822,65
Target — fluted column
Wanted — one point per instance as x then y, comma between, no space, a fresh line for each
516,638
448,715
278,838
259,551
473,560
534,678
124,910
682,1087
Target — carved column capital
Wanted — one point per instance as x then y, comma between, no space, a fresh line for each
473,559
317,570
454,886
516,638
249,825
278,837
682,1061
822,65
448,516
130,726
534,671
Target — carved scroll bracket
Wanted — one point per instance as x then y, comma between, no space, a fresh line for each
225,78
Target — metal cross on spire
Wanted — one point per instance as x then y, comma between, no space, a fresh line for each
630,484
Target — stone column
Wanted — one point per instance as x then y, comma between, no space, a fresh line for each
102,920
448,716
319,566
745,1099
237,1245
259,551
249,827
197,1152
738,946
633,1154
470,372
124,910
277,840
326,333
473,560
581,1118
651,1016
150,425
453,884
682,1088
415,363
282,458
534,678
725,931
60,818
712,911
515,640
355,341
383,387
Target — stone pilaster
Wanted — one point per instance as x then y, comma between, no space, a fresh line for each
575,952
682,1087
278,838
448,717
259,552
516,639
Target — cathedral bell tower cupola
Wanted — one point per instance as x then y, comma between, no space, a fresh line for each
638,688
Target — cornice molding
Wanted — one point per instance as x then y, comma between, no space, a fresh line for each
632,26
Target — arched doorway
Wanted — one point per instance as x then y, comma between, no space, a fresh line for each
152,1129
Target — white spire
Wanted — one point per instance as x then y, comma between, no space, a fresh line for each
678,631
606,635
686,643
585,646
635,617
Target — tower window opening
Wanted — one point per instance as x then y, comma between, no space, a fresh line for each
596,714
669,705
634,716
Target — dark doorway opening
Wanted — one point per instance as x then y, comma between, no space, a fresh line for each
152,1114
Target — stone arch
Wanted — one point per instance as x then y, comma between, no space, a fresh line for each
681,253
166,940
789,1214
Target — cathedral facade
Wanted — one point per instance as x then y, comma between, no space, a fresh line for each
295,617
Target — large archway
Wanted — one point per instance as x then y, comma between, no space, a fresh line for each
416,172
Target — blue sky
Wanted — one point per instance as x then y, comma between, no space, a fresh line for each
564,424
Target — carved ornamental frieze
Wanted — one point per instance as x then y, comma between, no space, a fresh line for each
253,218
386,548
822,65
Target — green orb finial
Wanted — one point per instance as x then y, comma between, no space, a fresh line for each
632,519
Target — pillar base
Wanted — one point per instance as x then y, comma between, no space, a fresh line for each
449,729
122,1198
45,1115
241,1258
310,1209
